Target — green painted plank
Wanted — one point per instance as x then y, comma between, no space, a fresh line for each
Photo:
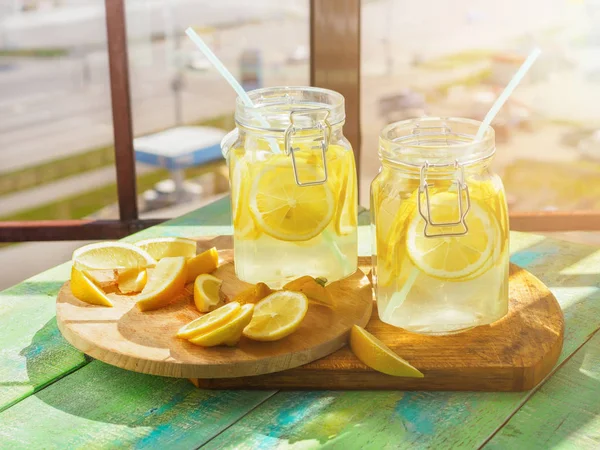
564,413
101,406
425,419
32,350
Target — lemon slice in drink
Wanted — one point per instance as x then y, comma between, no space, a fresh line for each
164,247
111,255
343,181
209,322
451,257
243,222
277,316
289,212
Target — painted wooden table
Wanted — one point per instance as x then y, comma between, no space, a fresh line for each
53,397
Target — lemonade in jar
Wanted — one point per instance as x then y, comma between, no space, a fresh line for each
293,187
440,227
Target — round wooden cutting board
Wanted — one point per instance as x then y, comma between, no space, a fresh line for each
145,341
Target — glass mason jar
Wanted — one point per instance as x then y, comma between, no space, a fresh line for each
440,227
293,187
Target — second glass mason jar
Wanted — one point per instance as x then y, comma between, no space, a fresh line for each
293,187
440,227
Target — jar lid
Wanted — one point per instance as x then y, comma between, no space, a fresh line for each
436,141
273,106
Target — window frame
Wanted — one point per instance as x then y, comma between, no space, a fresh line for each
334,64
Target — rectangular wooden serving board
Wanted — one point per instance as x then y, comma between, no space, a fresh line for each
513,354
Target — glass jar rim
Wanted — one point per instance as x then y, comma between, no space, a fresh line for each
275,104
425,140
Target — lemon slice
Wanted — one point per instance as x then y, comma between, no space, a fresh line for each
205,262
229,333
343,182
164,247
393,217
210,321
289,212
207,292
85,290
165,283
243,222
451,257
111,255
130,281
277,316
375,354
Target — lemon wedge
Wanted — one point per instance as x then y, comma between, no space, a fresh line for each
111,255
375,354
205,262
207,292
289,212
209,322
277,316
131,281
452,257
164,284
85,290
313,288
253,294
229,333
164,247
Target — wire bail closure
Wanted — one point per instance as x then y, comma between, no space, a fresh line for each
325,127
463,209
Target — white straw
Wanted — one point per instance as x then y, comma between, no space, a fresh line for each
237,87
510,87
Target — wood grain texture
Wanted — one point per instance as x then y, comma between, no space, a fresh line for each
32,351
513,354
101,406
564,413
415,420
145,341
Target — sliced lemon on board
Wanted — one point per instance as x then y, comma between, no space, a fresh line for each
163,247
85,290
289,212
452,257
164,284
130,281
207,292
277,316
104,279
313,288
228,333
210,321
205,262
253,294
111,255
378,356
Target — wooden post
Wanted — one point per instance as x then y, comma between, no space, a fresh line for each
121,109
335,57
